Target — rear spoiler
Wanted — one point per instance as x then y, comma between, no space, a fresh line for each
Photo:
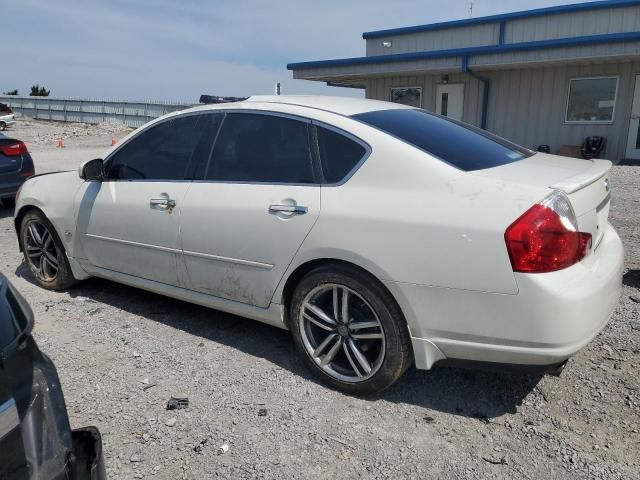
574,183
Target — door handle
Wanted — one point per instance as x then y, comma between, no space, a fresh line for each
162,202
291,209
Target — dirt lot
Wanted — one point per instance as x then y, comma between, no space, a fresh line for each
121,353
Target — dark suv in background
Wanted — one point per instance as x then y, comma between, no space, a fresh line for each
36,440
16,165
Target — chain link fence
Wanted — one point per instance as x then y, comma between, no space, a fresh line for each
132,114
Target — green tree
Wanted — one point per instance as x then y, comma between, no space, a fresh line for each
11,92
38,91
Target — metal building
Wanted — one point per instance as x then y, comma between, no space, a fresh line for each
550,76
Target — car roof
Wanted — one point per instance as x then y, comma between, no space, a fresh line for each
339,105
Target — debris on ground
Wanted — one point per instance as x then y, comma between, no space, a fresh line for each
177,403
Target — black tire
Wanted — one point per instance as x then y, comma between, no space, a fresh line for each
3,126
397,354
63,278
8,202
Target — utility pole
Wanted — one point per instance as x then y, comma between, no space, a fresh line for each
470,9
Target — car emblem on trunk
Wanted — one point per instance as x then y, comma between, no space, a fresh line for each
606,184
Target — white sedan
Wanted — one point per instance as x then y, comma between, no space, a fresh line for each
381,235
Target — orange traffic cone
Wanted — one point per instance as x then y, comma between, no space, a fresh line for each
60,143
113,140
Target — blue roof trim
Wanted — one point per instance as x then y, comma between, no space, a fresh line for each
576,7
469,51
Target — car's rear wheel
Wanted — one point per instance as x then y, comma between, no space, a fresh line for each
3,126
349,330
44,252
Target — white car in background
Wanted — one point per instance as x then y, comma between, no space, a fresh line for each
380,235
7,120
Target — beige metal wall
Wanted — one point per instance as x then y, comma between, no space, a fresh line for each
528,105
459,37
546,27
575,24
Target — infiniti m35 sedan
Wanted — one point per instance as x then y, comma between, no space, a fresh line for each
380,235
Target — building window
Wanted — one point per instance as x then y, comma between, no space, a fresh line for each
411,96
592,100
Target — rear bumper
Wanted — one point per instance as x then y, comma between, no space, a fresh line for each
552,317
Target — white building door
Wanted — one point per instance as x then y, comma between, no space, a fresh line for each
450,100
633,142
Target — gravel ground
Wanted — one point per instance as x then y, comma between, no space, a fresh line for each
122,353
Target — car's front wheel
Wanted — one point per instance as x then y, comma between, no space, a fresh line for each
349,330
3,126
44,253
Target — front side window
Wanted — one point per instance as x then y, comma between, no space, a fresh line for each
411,96
338,154
167,151
261,148
592,99
459,144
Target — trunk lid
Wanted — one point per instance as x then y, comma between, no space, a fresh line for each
586,183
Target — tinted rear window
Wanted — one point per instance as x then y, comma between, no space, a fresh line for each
463,146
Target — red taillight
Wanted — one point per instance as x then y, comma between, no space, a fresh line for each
545,238
14,149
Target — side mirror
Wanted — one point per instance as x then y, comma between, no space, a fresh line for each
93,170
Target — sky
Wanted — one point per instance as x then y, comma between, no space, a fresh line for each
175,50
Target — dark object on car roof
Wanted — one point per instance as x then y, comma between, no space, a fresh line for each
592,147
216,99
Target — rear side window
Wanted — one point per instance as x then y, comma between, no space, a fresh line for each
463,146
261,148
338,154
167,151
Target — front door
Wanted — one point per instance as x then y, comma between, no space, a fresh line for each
450,100
633,142
243,224
130,222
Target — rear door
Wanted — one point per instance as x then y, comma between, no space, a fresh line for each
259,198
130,223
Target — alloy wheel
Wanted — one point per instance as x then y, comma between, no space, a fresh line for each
41,251
342,333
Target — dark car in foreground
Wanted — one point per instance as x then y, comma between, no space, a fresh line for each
36,440
16,166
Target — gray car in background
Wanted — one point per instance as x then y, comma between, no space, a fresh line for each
16,165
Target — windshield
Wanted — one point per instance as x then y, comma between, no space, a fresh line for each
15,317
464,146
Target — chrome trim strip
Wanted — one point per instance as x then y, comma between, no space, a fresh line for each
9,419
249,263
603,203
135,244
